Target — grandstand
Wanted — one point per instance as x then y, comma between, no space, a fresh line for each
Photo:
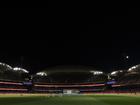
128,80
73,80
61,80
12,79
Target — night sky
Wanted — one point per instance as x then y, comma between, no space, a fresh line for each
37,38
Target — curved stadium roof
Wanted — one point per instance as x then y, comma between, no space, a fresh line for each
9,73
72,69
135,68
67,73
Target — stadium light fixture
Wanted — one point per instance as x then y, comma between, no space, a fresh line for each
4,64
114,72
20,69
96,72
133,68
41,73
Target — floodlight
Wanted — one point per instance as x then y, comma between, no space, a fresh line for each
20,69
41,73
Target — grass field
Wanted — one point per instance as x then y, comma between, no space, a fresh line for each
69,100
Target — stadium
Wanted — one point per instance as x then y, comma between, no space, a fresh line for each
69,85
70,53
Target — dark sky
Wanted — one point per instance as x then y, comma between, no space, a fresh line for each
37,38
